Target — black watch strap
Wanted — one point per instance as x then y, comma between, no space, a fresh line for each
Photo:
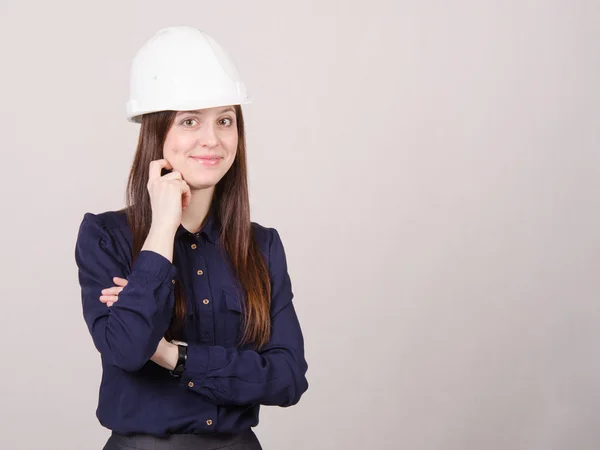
181,359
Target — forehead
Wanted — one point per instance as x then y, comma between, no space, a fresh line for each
208,111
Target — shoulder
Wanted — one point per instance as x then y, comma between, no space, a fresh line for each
108,230
264,235
271,246
107,220
105,224
269,242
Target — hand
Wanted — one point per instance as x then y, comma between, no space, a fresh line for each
166,354
111,295
169,195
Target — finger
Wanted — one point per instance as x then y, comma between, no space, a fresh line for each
120,281
175,175
156,166
109,303
187,195
111,291
109,298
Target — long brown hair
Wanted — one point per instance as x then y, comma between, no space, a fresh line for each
231,207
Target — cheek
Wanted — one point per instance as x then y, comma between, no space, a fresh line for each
176,144
230,144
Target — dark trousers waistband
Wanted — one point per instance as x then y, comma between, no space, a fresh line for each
246,440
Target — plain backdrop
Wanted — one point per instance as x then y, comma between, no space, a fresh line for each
433,168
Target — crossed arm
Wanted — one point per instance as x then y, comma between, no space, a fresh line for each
130,332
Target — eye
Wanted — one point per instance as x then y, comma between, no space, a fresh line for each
186,122
226,121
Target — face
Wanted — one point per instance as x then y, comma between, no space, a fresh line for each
202,145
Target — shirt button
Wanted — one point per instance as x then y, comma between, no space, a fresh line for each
209,422
200,272
205,301
191,384
194,246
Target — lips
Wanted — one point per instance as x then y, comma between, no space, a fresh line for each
207,160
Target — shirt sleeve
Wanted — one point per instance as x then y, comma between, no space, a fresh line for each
275,375
127,333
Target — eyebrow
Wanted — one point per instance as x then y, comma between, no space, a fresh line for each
200,111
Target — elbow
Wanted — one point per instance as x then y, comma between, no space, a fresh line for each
297,387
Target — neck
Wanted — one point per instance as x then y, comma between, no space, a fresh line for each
194,215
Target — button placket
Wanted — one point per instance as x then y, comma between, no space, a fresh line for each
203,296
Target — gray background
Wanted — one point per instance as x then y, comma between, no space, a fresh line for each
432,167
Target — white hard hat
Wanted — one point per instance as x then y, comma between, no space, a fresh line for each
182,68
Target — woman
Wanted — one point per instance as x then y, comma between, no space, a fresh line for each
188,302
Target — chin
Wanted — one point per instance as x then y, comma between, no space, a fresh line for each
201,184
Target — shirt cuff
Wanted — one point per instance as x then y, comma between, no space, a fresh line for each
196,364
155,264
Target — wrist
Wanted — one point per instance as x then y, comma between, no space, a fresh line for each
179,366
166,355
160,240
171,356
161,231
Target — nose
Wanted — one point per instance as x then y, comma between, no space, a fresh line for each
208,136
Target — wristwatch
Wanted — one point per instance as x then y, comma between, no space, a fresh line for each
181,359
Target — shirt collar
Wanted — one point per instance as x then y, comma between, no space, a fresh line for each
211,230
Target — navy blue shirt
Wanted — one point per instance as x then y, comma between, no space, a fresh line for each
223,384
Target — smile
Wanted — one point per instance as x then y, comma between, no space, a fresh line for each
207,160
